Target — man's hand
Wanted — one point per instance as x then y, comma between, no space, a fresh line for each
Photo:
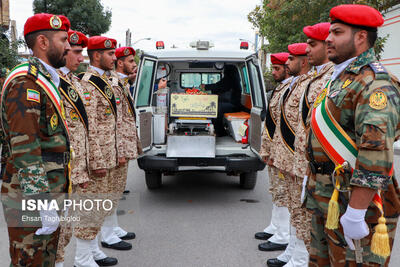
100,173
121,161
265,159
50,222
354,225
84,185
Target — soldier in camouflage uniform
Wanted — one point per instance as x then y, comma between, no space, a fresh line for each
279,225
364,100
36,133
102,118
289,104
128,142
73,97
323,68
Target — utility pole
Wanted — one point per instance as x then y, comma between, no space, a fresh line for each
128,38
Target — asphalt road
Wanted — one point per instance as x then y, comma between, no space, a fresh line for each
194,220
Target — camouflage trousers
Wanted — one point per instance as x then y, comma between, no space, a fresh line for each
117,187
328,247
277,187
98,188
30,250
65,233
300,217
26,248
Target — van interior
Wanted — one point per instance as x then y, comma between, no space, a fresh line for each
227,80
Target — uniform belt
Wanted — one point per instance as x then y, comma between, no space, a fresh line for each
322,167
61,158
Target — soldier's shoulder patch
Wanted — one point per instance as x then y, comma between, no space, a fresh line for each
380,71
377,67
87,96
54,121
33,95
33,70
378,100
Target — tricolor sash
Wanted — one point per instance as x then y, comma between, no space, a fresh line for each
47,86
104,88
73,97
340,148
288,134
335,142
128,98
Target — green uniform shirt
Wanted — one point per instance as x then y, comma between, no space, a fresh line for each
365,101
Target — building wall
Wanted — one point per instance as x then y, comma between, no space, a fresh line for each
5,14
391,55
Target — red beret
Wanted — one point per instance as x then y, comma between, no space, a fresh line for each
124,51
101,43
46,22
77,38
357,15
318,31
279,58
297,49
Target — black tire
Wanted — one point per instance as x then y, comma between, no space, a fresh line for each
248,180
153,179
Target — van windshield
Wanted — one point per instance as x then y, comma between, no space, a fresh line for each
194,79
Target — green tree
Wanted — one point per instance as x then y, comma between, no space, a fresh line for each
8,52
87,16
282,21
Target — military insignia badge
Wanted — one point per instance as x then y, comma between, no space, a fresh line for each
73,115
73,94
347,83
63,111
108,92
126,52
87,96
55,22
320,97
378,100
118,100
334,94
107,43
54,121
74,38
108,111
32,95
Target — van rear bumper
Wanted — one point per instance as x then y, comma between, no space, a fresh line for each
231,163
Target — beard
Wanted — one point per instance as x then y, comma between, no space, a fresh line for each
344,52
126,70
281,77
295,70
56,58
103,64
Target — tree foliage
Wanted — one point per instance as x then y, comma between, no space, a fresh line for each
87,16
8,52
282,21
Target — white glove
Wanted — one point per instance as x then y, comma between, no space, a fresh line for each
50,222
303,190
354,225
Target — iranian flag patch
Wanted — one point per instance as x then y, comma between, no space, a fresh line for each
32,95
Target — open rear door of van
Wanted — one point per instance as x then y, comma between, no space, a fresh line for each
258,99
143,94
